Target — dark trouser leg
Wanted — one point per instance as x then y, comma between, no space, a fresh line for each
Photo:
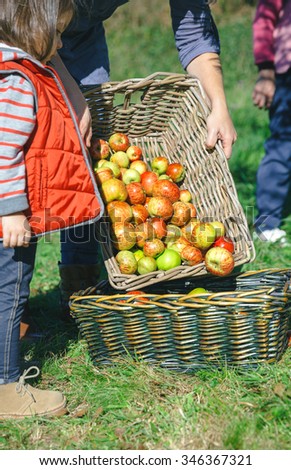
273,176
16,270
80,262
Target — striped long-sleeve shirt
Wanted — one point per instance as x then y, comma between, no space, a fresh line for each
17,121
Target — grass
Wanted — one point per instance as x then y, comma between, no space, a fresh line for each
133,406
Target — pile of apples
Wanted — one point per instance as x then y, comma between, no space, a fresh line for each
153,223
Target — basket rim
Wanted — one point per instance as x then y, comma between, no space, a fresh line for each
222,298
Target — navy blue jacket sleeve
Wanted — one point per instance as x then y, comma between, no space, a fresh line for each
194,29
85,53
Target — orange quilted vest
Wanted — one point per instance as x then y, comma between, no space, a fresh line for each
61,187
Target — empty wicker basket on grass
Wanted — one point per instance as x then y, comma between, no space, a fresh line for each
242,321
165,114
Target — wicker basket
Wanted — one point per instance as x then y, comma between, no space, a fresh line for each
243,321
166,114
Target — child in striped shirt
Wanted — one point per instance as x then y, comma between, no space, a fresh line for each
41,149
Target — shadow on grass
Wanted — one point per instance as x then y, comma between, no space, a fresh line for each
51,332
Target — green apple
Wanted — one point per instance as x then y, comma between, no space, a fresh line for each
203,235
169,259
131,176
219,228
120,158
126,262
138,254
197,291
146,264
113,166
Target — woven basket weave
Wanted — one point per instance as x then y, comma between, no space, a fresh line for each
243,321
165,114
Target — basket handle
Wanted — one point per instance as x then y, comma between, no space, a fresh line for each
166,78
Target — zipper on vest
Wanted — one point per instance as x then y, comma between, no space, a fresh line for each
41,183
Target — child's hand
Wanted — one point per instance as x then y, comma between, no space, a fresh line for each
16,230
264,89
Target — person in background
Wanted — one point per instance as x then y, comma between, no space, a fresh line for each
272,91
85,56
43,164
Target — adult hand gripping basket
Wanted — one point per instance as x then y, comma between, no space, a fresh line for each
242,321
165,114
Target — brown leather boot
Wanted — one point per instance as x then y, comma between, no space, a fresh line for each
20,400
74,278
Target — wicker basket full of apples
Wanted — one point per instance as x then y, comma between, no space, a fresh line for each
171,208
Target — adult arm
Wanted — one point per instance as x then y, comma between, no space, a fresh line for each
76,97
207,69
198,46
266,17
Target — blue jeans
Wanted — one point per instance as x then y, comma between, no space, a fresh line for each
273,176
79,245
16,270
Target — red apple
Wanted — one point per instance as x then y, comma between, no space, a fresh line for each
160,227
119,211
148,178
146,265
225,242
192,255
144,231
181,214
113,190
160,165
120,158
136,193
139,165
134,153
154,247
203,235
179,244
219,261
126,262
146,204
138,299
130,176
166,188
160,207
176,171
102,174
169,259
119,141
140,213
188,229
185,195
136,292
123,235
99,149
219,228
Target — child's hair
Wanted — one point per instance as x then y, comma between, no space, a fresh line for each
31,25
